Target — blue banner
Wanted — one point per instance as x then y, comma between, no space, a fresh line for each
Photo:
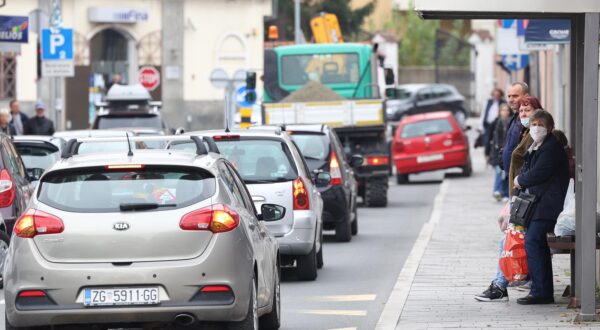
14,29
548,31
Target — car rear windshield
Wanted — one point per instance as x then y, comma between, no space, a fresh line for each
121,121
98,189
313,146
37,156
426,127
260,160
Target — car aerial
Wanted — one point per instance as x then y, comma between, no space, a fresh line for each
156,237
38,152
413,99
324,153
127,106
275,172
429,142
15,185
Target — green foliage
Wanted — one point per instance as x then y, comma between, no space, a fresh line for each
453,52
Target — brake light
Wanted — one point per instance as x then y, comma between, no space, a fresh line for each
124,167
35,222
301,199
7,189
458,138
32,293
217,218
215,288
334,170
232,137
378,160
398,146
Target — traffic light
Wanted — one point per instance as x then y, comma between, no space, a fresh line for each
251,80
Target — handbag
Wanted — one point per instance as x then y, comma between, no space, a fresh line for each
521,209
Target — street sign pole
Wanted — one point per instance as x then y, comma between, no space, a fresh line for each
220,80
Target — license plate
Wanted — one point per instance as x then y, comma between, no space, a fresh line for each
121,296
430,158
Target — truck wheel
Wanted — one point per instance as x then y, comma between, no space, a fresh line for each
343,230
376,192
401,178
306,266
467,170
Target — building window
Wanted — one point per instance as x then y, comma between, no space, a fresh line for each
8,77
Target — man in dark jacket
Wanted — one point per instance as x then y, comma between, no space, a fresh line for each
18,118
545,174
515,93
39,125
489,115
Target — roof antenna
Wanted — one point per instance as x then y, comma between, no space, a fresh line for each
130,153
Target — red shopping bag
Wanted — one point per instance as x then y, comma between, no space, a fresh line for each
513,261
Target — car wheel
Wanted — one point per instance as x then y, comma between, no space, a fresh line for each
401,178
4,243
251,320
320,262
467,170
343,230
272,321
306,266
355,222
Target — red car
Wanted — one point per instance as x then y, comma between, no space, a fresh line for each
429,142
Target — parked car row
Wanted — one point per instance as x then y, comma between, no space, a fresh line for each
181,230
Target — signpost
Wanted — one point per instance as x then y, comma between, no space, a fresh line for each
149,77
57,53
220,80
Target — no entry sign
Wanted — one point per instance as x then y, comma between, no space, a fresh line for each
149,77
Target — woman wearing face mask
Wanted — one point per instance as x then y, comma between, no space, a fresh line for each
545,174
526,108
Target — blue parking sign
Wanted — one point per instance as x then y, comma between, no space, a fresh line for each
57,46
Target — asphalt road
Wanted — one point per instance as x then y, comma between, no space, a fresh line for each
358,276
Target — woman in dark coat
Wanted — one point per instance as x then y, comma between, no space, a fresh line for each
545,174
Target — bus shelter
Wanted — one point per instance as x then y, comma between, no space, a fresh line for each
585,32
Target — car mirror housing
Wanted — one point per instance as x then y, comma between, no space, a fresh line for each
271,212
356,160
35,173
322,179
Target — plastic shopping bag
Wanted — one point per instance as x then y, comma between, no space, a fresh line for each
513,261
565,224
503,217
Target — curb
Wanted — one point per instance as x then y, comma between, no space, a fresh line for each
392,310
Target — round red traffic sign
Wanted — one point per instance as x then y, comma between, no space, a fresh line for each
149,77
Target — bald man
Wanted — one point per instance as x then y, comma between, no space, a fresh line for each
515,93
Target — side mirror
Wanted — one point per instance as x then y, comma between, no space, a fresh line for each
322,179
356,160
271,212
389,76
34,174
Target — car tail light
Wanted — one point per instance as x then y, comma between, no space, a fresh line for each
458,138
398,146
301,199
35,222
215,288
7,189
217,218
334,170
378,160
232,137
124,167
32,294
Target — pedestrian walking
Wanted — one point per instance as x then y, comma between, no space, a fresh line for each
545,174
493,151
489,115
39,125
5,126
18,119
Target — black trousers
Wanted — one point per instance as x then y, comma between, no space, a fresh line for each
539,260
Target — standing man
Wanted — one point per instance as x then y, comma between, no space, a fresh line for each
18,118
39,125
5,126
513,135
491,113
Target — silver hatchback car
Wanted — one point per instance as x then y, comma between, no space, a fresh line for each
275,172
156,237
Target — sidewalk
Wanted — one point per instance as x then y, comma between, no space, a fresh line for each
460,260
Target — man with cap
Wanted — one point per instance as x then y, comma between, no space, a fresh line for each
39,125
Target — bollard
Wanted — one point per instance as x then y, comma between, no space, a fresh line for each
246,115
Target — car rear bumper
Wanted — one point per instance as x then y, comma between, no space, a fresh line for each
452,158
180,281
301,239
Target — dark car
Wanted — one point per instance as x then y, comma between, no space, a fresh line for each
323,152
15,188
413,99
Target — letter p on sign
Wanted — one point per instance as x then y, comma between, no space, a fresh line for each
56,41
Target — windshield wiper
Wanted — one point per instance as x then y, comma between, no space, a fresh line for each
311,158
432,133
142,206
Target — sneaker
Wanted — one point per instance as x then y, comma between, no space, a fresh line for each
497,196
525,287
493,293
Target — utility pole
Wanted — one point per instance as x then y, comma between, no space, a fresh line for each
56,83
297,30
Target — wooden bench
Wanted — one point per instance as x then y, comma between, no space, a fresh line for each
566,245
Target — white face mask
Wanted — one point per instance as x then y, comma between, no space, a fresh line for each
538,133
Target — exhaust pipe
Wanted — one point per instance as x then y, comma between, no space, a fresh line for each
185,319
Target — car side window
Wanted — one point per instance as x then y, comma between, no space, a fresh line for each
243,191
298,154
424,94
230,183
13,160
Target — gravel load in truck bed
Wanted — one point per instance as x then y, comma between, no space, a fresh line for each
313,91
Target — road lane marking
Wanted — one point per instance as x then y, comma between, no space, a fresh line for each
2,302
334,312
390,316
343,298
